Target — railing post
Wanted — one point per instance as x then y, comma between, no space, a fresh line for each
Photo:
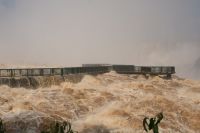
11,72
61,71
41,72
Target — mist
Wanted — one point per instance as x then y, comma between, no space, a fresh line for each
72,32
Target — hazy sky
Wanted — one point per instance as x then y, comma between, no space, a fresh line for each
72,32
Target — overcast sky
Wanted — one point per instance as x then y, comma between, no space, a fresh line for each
72,32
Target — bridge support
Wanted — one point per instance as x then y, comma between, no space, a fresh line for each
169,76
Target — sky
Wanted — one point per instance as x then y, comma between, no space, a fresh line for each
73,32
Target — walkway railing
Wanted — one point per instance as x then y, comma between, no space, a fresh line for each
51,71
122,69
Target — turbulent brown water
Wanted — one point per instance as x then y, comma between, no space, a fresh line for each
105,103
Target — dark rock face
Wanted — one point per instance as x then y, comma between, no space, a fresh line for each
39,81
18,82
25,122
34,122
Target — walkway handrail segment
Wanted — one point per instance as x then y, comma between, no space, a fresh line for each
51,71
123,69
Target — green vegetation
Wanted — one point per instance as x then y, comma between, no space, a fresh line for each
152,123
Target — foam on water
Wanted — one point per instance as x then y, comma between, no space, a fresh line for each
109,102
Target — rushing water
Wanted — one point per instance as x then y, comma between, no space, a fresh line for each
108,103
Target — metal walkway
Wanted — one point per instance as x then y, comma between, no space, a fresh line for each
88,69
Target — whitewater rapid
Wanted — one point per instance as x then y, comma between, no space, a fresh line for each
108,103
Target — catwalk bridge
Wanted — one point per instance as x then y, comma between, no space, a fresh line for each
88,69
